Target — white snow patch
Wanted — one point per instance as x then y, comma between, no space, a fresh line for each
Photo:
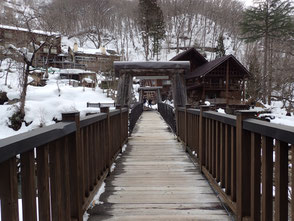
124,148
95,200
112,167
220,110
86,216
207,103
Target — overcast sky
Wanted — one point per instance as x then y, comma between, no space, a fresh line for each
247,2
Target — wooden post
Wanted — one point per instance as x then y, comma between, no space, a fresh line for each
177,122
203,91
281,181
8,190
186,126
202,143
43,182
76,167
126,126
159,96
108,138
124,89
118,107
255,176
227,82
28,188
179,90
243,165
267,178
243,90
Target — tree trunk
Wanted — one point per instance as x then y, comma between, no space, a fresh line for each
24,90
264,77
147,48
270,74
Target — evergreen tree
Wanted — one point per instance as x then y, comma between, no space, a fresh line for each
270,20
151,23
220,48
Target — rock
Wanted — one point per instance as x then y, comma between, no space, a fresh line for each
3,97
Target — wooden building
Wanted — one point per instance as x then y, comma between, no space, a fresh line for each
51,53
83,78
24,38
94,59
163,82
207,81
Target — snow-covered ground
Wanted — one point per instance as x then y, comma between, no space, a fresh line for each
279,114
46,103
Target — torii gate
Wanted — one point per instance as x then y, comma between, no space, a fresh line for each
176,70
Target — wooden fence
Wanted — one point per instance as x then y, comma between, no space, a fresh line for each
59,167
168,114
135,113
248,161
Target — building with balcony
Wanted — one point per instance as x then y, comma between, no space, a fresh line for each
221,81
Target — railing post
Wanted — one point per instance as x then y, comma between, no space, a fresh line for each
108,138
186,126
202,144
76,168
118,107
243,160
177,122
8,190
127,122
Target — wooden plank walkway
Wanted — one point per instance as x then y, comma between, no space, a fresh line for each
155,180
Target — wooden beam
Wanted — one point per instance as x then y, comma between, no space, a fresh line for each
227,82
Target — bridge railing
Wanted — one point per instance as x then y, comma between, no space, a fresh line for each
248,161
56,170
135,113
168,114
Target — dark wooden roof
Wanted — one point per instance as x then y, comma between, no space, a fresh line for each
210,66
151,68
192,55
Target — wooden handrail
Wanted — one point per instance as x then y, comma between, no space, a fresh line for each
235,154
18,144
69,160
168,114
135,113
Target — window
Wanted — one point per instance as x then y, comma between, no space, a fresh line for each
46,50
167,82
7,34
39,39
6,45
53,50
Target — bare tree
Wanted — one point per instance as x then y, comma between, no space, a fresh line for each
28,54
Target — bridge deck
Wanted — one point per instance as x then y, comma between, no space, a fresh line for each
155,180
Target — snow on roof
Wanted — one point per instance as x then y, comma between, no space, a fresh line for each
89,51
88,47
88,80
26,30
75,71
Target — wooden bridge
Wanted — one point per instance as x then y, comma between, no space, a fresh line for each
57,170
